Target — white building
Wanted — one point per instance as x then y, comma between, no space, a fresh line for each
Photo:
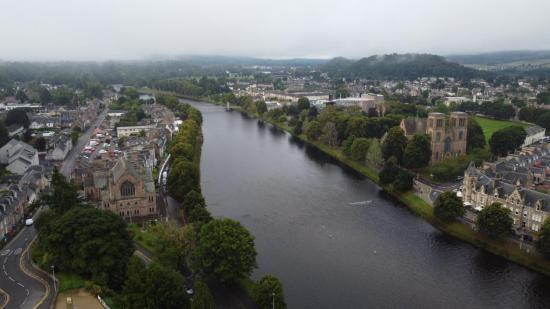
127,131
534,134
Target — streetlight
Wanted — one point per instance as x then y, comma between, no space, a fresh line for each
273,300
53,275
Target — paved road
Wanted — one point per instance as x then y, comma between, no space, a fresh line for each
26,287
68,164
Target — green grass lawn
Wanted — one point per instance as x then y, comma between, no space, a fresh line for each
490,126
68,281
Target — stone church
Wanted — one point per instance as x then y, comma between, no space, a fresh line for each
448,134
126,189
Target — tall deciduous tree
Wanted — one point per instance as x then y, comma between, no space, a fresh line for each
475,137
183,177
394,144
303,103
448,206
418,152
506,140
359,149
312,130
226,251
90,242
269,293
17,116
495,221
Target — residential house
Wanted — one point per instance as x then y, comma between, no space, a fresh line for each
18,156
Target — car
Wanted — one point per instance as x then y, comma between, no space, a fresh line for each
29,222
460,178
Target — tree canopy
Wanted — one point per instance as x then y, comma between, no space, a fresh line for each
269,293
507,140
495,221
394,144
418,152
543,243
226,251
448,206
474,136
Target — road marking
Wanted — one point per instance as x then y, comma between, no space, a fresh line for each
9,277
17,251
19,284
5,252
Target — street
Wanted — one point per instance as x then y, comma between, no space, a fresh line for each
26,286
68,163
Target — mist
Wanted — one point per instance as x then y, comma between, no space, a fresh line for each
38,30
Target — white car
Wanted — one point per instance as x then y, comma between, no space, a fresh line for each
29,222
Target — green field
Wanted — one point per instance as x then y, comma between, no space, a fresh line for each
489,126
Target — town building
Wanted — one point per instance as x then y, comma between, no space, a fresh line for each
528,208
448,134
534,134
62,146
127,189
127,131
18,156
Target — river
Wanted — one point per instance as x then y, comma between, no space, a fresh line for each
333,239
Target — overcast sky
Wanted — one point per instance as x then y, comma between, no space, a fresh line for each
137,29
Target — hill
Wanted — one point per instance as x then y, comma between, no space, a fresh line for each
398,66
535,62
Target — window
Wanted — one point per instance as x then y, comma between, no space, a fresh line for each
439,123
461,122
431,123
437,136
127,189
535,227
460,135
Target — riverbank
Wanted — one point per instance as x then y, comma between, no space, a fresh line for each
505,249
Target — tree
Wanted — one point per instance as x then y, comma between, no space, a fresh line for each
418,152
298,128
403,181
192,200
374,154
45,96
153,287
64,195
330,135
388,174
90,242
506,140
448,206
202,298
269,293
226,251
495,221
312,130
4,136
543,98
261,107
303,103
359,149
183,177
475,137
394,144
21,96
543,243
40,144
17,116
312,113
200,215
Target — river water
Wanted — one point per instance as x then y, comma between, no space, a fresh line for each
332,237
